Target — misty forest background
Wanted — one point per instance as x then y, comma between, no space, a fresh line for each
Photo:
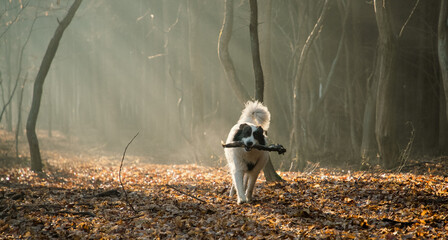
356,93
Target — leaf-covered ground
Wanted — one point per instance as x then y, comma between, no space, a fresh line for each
81,198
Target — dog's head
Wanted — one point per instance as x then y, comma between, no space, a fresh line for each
250,134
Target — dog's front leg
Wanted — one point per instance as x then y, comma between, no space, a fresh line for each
239,185
245,178
232,188
252,178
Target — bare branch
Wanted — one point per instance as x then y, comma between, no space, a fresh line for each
200,200
15,19
409,17
119,174
19,71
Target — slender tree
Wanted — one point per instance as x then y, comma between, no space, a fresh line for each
255,47
269,171
195,67
224,56
298,79
385,128
19,116
368,142
442,47
36,160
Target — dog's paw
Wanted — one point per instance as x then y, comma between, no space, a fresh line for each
241,201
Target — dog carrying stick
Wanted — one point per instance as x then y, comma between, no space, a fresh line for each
271,148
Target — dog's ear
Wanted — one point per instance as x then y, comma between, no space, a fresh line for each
242,126
259,128
259,131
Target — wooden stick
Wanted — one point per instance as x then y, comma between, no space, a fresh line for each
119,174
89,214
200,200
271,148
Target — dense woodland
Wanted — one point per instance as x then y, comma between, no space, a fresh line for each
358,93
347,82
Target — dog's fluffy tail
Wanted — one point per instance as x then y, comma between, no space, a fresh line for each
255,112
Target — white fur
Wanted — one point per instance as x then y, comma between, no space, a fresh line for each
255,114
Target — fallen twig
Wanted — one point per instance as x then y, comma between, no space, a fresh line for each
119,174
393,222
180,191
271,148
404,155
89,214
133,217
109,193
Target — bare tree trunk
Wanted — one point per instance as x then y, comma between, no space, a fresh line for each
255,47
269,171
19,117
8,62
368,144
266,62
385,128
197,88
297,82
195,68
223,52
442,47
443,62
36,160
443,124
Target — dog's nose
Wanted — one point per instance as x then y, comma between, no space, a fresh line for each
249,144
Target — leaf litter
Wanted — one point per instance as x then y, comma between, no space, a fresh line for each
82,199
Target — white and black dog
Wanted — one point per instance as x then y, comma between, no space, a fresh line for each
246,163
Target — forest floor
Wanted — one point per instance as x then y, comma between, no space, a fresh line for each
79,196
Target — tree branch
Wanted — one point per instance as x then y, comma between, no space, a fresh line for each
119,174
189,195
19,71
409,17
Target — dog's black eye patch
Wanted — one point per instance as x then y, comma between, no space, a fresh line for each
258,135
247,131
243,132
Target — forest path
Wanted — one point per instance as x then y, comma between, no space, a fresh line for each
82,198
79,196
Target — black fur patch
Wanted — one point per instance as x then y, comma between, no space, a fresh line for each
250,166
244,131
259,136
